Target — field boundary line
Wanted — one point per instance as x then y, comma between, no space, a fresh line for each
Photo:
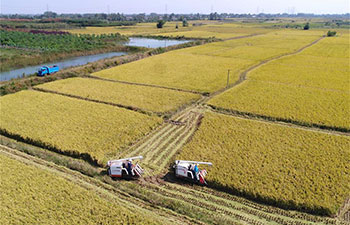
240,37
145,85
281,121
132,108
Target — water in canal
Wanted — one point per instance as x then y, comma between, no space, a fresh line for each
82,60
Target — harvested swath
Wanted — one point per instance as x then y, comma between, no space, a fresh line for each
287,167
72,126
34,196
147,98
159,149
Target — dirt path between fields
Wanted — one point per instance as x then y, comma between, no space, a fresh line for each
280,121
243,75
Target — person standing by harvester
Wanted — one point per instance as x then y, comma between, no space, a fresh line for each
129,168
196,171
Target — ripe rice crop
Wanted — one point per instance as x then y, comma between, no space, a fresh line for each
146,98
288,167
311,87
176,70
307,71
30,195
337,47
201,34
139,29
308,106
72,126
220,31
324,65
204,68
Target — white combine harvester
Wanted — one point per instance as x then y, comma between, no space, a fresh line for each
186,170
123,168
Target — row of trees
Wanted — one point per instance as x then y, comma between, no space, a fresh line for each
58,42
161,23
153,17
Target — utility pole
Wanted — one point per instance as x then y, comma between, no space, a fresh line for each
108,9
47,7
228,78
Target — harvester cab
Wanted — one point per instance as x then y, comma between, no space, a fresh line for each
124,168
189,170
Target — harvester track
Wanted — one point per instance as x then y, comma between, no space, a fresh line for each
204,205
216,203
103,189
159,147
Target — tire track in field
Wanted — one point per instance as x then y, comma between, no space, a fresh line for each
160,147
214,205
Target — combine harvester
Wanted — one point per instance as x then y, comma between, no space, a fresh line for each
48,70
123,168
189,170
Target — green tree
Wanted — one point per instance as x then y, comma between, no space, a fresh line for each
160,23
331,33
184,23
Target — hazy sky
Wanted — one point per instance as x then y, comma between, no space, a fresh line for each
175,6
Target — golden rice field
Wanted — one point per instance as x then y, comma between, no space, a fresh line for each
311,87
219,31
204,68
176,70
145,98
288,103
138,29
324,65
73,126
30,195
208,29
288,167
